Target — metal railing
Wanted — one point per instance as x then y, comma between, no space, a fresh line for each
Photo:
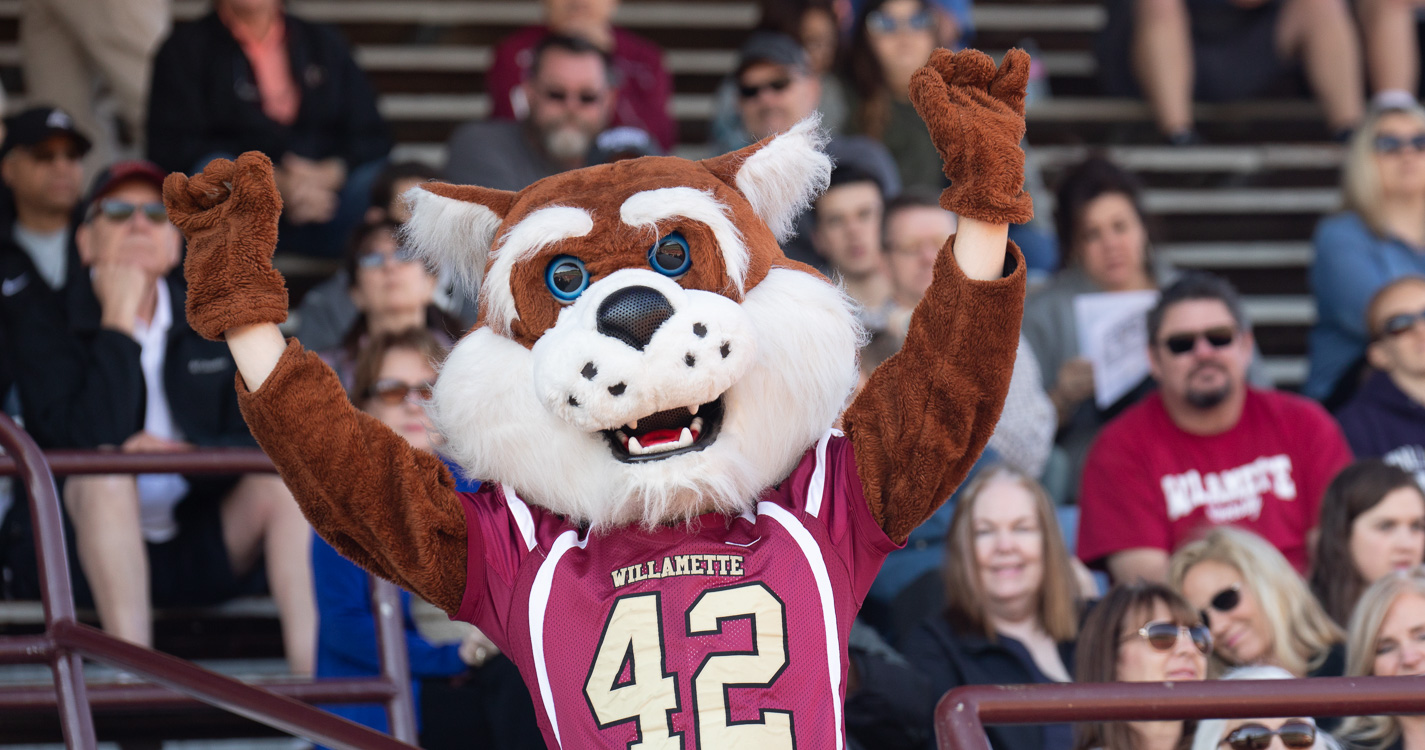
282,706
962,714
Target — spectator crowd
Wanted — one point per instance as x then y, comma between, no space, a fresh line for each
1178,520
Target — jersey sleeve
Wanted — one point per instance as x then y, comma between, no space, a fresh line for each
501,535
1121,507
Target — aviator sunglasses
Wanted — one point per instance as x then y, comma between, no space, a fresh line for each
395,392
1397,325
1182,343
1296,733
1163,636
1394,144
883,23
117,210
1225,601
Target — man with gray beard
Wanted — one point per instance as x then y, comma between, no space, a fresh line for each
1207,448
571,97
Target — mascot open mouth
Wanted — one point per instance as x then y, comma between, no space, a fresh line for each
667,433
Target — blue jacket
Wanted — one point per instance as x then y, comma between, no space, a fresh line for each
1382,422
1352,263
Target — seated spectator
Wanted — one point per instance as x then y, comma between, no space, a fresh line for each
1011,602
250,76
40,165
1141,632
1385,642
1372,524
645,87
394,372
1173,52
1259,734
885,695
891,40
112,362
1206,449
1258,608
847,234
571,93
1389,31
775,89
815,26
391,292
1386,417
327,312
1378,236
1099,217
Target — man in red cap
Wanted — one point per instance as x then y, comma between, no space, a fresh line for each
111,361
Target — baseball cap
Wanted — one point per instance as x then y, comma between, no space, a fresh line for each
125,171
770,47
617,144
33,126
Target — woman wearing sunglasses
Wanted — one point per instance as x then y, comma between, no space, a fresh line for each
1011,602
1141,632
1258,608
1388,640
1261,734
1378,236
1372,524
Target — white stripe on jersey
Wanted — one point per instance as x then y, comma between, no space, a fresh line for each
817,487
823,587
538,603
523,518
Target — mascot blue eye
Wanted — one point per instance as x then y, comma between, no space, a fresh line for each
670,256
566,278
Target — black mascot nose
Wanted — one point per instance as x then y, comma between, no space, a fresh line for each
633,314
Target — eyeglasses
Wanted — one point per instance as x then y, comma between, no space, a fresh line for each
120,211
585,98
1225,601
1182,343
373,261
777,85
880,23
1394,144
1397,325
1296,733
1163,636
395,392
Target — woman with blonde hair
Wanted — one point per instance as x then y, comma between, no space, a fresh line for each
1379,235
1298,733
1012,601
1258,608
1388,640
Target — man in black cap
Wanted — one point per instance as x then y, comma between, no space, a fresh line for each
109,361
40,164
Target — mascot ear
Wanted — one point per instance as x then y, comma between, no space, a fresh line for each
780,176
454,225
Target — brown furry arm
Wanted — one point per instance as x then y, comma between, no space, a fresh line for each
386,506
927,412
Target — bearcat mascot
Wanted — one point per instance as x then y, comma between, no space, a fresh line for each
672,542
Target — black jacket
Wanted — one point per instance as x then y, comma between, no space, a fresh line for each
82,386
952,657
204,99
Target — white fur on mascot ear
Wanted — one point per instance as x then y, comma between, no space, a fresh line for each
455,226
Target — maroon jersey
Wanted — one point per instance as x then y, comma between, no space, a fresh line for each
689,638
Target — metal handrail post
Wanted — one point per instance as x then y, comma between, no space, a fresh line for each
394,660
76,720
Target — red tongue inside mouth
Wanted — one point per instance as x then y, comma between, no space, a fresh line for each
657,437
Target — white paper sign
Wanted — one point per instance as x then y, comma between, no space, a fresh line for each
1113,336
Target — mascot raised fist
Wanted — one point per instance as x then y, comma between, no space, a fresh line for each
671,542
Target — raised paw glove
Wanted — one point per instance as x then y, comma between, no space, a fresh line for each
975,115
229,216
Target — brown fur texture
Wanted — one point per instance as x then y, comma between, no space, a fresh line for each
384,505
975,115
229,215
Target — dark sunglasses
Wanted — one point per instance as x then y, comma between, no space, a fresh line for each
1394,144
395,392
1163,636
46,154
1225,601
117,210
882,23
1182,343
1297,734
372,261
752,92
1397,325
585,98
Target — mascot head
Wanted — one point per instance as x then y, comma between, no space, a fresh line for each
644,352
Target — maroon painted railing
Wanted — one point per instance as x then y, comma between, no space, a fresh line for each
962,714
177,682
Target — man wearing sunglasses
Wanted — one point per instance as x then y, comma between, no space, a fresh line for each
1386,417
1206,449
40,164
110,361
